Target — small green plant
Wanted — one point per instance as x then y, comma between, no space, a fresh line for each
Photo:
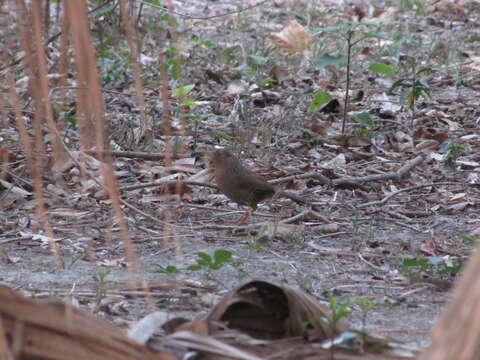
169,270
319,99
412,87
367,124
352,34
223,136
215,262
451,153
195,122
102,286
174,63
113,67
470,240
252,244
365,307
210,263
205,262
338,312
435,266
415,5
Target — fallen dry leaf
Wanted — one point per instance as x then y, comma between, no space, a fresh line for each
293,38
198,326
235,88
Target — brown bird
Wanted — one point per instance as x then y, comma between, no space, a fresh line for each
242,185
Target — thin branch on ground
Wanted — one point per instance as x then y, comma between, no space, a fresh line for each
389,196
187,16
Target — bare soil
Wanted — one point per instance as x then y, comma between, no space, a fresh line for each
362,256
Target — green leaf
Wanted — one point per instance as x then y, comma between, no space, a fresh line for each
170,51
396,84
190,103
318,100
154,2
204,260
204,256
230,54
473,38
222,256
259,60
170,269
175,67
453,270
470,239
364,118
167,18
183,91
383,69
207,43
414,262
194,267
264,82
327,59
72,122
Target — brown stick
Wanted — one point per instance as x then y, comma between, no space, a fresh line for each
389,196
128,154
350,180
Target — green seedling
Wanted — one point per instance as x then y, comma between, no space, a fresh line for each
204,262
168,270
434,266
338,312
210,263
113,67
412,87
215,262
470,240
319,99
352,34
365,307
416,5
258,67
195,121
451,153
253,245
174,64
182,92
102,286
367,124
382,68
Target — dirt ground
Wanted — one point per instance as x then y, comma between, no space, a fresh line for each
348,265
357,252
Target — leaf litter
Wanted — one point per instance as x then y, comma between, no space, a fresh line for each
388,198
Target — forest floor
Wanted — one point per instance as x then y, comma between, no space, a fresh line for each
400,252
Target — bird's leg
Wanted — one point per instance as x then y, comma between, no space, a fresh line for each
245,216
270,201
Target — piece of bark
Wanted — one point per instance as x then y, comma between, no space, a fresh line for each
456,334
32,330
